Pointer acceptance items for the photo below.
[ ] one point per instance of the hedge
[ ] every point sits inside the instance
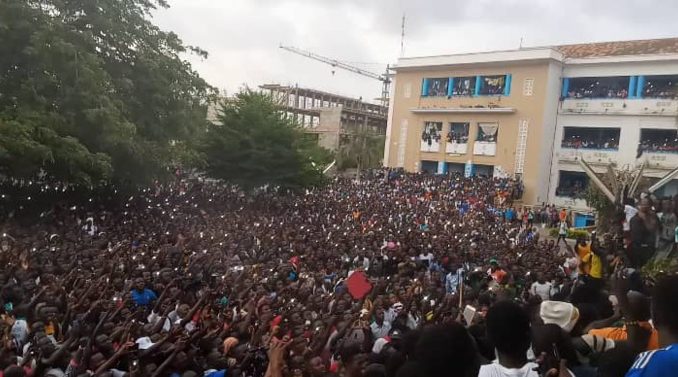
(571, 233)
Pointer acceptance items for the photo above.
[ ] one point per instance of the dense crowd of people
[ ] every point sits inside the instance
(659, 146)
(393, 275)
(578, 142)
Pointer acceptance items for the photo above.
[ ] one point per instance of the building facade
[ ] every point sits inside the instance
(330, 117)
(618, 105)
(486, 114)
(531, 113)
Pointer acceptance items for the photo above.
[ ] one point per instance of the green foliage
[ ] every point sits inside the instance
(91, 90)
(253, 144)
(361, 150)
(572, 233)
(655, 269)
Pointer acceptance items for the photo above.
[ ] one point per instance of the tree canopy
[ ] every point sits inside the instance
(253, 144)
(361, 149)
(92, 91)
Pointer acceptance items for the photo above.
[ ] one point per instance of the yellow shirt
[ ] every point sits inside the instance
(593, 264)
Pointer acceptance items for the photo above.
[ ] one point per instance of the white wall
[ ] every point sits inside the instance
(548, 126)
(668, 67)
(629, 137)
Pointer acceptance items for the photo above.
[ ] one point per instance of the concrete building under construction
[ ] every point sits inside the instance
(329, 116)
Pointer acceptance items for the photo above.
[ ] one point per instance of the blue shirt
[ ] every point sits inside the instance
(143, 298)
(657, 363)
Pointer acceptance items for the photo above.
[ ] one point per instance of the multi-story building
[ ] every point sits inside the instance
(487, 113)
(519, 113)
(329, 116)
(619, 104)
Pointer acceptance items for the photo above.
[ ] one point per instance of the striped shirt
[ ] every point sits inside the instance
(660, 362)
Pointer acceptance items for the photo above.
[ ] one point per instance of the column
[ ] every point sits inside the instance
(566, 87)
(442, 167)
(632, 87)
(640, 87)
(479, 83)
(450, 86)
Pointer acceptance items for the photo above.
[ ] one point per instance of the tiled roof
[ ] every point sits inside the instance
(640, 47)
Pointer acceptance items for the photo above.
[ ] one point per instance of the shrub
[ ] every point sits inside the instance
(571, 233)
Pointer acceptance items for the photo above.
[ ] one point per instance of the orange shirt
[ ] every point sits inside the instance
(619, 333)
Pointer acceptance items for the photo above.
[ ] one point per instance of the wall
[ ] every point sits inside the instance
(658, 164)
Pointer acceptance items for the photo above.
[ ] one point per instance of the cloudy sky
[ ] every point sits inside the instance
(242, 36)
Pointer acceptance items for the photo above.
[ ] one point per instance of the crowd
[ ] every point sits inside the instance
(579, 142)
(395, 275)
(659, 146)
(457, 137)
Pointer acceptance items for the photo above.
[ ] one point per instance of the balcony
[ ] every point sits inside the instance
(484, 148)
(456, 148)
(660, 160)
(602, 156)
(622, 106)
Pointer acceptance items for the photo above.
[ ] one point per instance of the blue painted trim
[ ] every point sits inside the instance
(424, 88)
(507, 85)
(450, 86)
(632, 87)
(441, 167)
(640, 86)
(479, 82)
(566, 87)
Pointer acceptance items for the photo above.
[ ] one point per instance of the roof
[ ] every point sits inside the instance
(637, 47)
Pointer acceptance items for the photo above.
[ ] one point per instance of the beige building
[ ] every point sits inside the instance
(329, 116)
(488, 113)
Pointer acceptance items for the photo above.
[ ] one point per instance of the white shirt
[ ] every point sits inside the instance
(496, 370)
(541, 290)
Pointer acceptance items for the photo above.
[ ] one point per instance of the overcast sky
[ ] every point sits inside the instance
(242, 36)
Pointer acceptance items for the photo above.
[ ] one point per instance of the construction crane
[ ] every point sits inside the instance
(385, 78)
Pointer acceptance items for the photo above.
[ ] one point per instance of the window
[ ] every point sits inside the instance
(590, 138)
(429, 166)
(458, 133)
(487, 132)
(437, 87)
(430, 136)
(528, 87)
(492, 85)
(464, 86)
(658, 141)
(598, 87)
(572, 184)
(661, 87)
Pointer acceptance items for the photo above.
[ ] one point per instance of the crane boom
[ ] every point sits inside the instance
(336, 63)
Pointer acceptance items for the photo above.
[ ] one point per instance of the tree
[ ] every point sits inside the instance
(362, 149)
(91, 90)
(253, 144)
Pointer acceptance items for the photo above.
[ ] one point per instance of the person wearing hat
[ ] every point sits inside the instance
(563, 314)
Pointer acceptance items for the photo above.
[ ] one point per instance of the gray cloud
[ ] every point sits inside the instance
(242, 36)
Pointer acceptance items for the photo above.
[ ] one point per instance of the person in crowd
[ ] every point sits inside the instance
(377, 277)
(663, 361)
(643, 226)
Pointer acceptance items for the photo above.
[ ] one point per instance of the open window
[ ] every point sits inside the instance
(590, 138)
(464, 86)
(457, 138)
(487, 132)
(658, 141)
(572, 184)
(430, 136)
(661, 87)
(599, 87)
(438, 87)
(486, 139)
(492, 85)
(458, 133)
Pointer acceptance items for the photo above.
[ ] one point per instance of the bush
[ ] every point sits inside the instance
(571, 233)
